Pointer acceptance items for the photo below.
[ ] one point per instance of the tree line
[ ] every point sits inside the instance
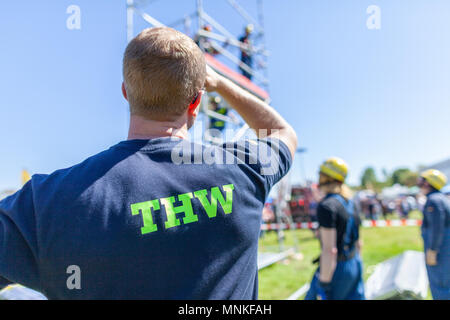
(402, 176)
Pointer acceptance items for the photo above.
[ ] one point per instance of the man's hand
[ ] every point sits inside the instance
(431, 257)
(212, 79)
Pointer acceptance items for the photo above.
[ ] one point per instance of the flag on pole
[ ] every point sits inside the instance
(25, 177)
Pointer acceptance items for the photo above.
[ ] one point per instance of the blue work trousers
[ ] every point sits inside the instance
(439, 275)
(347, 282)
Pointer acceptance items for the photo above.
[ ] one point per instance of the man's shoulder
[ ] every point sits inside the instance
(327, 207)
(436, 198)
(71, 177)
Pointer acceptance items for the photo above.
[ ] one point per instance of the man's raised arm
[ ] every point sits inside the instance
(260, 117)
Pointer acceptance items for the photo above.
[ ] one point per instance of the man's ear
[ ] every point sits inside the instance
(124, 91)
(194, 109)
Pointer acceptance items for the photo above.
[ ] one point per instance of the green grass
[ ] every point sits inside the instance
(280, 280)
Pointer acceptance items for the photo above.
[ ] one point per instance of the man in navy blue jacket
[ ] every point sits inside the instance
(155, 216)
(436, 233)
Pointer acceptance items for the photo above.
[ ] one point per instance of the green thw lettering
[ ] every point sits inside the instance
(216, 195)
(146, 209)
(186, 207)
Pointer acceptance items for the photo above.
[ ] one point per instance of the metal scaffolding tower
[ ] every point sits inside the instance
(221, 34)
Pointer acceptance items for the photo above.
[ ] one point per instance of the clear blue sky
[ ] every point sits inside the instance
(372, 97)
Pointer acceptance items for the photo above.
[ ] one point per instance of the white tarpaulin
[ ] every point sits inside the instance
(401, 277)
(18, 292)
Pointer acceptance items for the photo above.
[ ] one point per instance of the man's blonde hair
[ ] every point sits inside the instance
(163, 71)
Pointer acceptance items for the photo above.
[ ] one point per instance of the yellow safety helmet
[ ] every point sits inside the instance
(249, 28)
(335, 168)
(435, 178)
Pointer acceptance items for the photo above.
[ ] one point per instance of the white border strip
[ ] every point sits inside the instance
(300, 292)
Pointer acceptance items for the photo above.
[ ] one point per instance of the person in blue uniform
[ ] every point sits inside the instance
(217, 106)
(215, 133)
(246, 53)
(206, 44)
(436, 233)
(339, 275)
